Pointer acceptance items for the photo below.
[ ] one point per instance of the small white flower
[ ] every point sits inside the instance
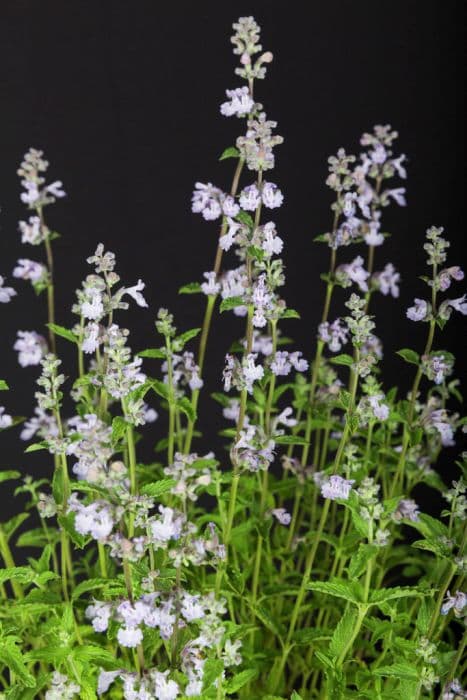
(129, 637)
(210, 287)
(398, 195)
(6, 293)
(272, 243)
(90, 338)
(29, 270)
(229, 206)
(5, 419)
(388, 281)
(271, 195)
(282, 516)
(336, 487)
(228, 239)
(240, 103)
(135, 293)
(418, 311)
(31, 231)
(380, 409)
(31, 348)
(250, 198)
(459, 304)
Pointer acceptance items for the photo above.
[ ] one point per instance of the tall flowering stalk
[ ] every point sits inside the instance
(286, 567)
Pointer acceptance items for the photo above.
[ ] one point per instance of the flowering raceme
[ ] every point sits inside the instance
(293, 561)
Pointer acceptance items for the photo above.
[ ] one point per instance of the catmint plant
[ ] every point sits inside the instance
(295, 560)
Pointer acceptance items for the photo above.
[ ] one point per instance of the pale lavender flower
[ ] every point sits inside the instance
(42, 423)
(94, 519)
(261, 343)
(166, 527)
(99, 613)
(254, 449)
(450, 273)
(251, 372)
(459, 304)
(229, 205)
(32, 231)
(5, 420)
(205, 201)
(6, 293)
(262, 301)
(456, 602)
(90, 341)
(280, 365)
(453, 691)
(407, 509)
(62, 688)
(335, 334)
(228, 239)
(129, 637)
(437, 367)
(388, 280)
(418, 311)
(240, 103)
(135, 293)
(272, 244)
(398, 195)
(439, 420)
(282, 516)
(234, 283)
(354, 272)
(379, 408)
(336, 487)
(284, 418)
(250, 198)
(271, 195)
(29, 270)
(210, 287)
(374, 237)
(31, 348)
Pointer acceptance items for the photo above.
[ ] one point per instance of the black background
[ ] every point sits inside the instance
(123, 97)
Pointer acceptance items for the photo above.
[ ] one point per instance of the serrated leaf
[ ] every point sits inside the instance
(62, 332)
(11, 656)
(119, 427)
(409, 356)
(399, 670)
(350, 591)
(343, 632)
(231, 303)
(212, 669)
(342, 359)
(385, 594)
(89, 585)
(158, 488)
(360, 559)
(230, 152)
(263, 614)
(185, 405)
(245, 218)
(191, 288)
(22, 574)
(154, 353)
(239, 680)
(97, 655)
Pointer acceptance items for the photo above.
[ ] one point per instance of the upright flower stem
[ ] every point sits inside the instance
(50, 280)
(210, 303)
(277, 672)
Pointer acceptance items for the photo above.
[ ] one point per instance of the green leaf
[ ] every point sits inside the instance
(409, 356)
(342, 359)
(385, 594)
(10, 527)
(400, 670)
(263, 614)
(22, 574)
(119, 427)
(211, 671)
(8, 475)
(245, 218)
(158, 488)
(160, 388)
(290, 440)
(11, 656)
(295, 696)
(359, 561)
(154, 353)
(183, 338)
(239, 680)
(185, 405)
(339, 588)
(3, 385)
(191, 288)
(343, 632)
(67, 523)
(290, 313)
(62, 332)
(37, 446)
(230, 152)
(89, 585)
(231, 303)
(97, 655)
